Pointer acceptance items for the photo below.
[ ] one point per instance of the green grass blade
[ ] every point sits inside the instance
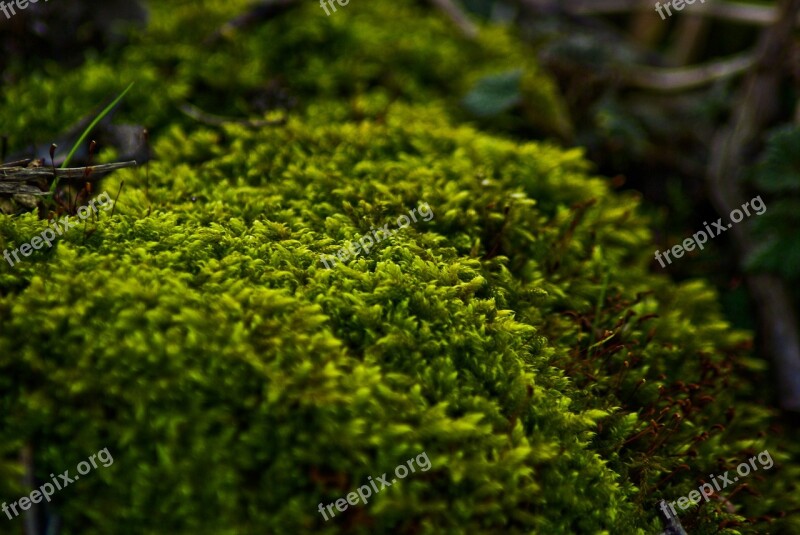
(93, 124)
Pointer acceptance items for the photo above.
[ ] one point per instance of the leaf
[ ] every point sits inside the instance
(494, 94)
(777, 255)
(780, 169)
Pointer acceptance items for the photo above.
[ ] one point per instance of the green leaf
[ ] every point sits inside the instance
(93, 124)
(494, 94)
(780, 169)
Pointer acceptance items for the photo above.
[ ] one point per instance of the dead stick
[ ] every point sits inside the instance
(24, 174)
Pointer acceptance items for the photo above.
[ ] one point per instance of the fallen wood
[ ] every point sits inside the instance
(86, 174)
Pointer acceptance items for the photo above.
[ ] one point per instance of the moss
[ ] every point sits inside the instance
(348, 65)
(239, 383)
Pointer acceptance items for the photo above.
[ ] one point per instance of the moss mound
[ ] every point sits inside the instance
(516, 337)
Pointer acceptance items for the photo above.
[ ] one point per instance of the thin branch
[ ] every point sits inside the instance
(683, 78)
(18, 163)
(15, 188)
(31, 521)
(720, 9)
(690, 32)
(25, 174)
(457, 15)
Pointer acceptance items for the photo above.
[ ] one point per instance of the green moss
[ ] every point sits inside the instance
(352, 64)
(238, 383)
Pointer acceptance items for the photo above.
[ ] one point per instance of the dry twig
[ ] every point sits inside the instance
(9, 174)
(719, 9)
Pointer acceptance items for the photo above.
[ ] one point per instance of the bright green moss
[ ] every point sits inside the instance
(238, 383)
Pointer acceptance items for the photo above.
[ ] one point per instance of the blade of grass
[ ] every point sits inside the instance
(89, 131)
(93, 124)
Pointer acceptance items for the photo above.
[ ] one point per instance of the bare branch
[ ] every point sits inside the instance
(15, 188)
(91, 173)
(680, 79)
(720, 9)
(457, 15)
